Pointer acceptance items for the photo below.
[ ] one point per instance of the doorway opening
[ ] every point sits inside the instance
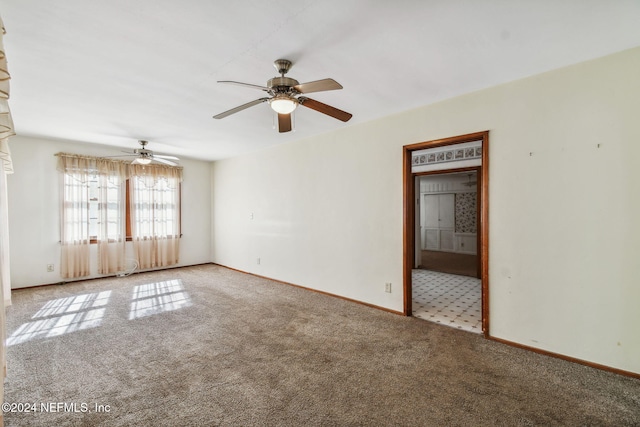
(446, 285)
(446, 231)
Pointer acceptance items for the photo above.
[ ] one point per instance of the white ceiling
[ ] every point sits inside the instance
(114, 71)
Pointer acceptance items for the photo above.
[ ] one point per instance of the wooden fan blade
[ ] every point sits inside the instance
(240, 108)
(325, 109)
(248, 85)
(318, 86)
(284, 123)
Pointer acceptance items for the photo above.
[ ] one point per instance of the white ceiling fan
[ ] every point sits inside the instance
(145, 156)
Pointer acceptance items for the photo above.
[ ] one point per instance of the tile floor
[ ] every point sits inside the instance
(447, 299)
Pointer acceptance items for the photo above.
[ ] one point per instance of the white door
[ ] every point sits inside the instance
(438, 221)
(447, 221)
(446, 213)
(430, 222)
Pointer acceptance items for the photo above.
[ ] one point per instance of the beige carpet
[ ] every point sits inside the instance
(207, 346)
(449, 262)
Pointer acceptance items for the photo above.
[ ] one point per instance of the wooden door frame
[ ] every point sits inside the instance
(409, 210)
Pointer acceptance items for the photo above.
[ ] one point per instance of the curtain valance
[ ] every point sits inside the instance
(150, 174)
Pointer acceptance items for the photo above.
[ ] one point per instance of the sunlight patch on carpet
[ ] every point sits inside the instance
(158, 297)
(63, 316)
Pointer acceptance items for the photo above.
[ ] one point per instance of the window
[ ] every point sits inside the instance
(76, 208)
(154, 209)
(104, 198)
(157, 207)
(107, 202)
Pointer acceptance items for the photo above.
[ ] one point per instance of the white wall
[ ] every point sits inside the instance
(34, 220)
(564, 212)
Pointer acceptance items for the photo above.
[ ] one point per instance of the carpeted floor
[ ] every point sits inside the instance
(208, 346)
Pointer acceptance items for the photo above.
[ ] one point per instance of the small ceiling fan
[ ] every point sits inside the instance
(144, 156)
(470, 183)
(284, 96)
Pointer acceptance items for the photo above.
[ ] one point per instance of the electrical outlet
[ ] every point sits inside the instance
(49, 268)
(251, 215)
(387, 287)
(258, 261)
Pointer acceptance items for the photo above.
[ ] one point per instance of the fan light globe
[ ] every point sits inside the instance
(283, 105)
(142, 160)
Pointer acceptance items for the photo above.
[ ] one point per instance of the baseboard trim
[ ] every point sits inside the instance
(567, 358)
(500, 340)
(106, 276)
(388, 310)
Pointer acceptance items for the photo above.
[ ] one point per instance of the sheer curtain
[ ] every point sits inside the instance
(155, 214)
(6, 166)
(111, 232)
(74, 215)
(5, 276)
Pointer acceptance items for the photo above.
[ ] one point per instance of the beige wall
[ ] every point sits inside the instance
(34, 220)
(564, 207)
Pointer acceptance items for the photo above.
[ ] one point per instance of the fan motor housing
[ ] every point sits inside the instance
(281, 83)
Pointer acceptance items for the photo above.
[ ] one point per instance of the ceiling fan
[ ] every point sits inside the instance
(469, 183)
(144, 156)
(284, 96)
